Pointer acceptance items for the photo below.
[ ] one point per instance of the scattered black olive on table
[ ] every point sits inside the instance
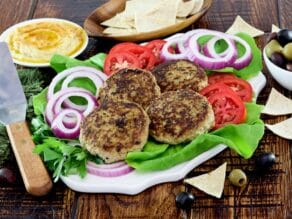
(264, 162)
(7, 176)
(184, 200)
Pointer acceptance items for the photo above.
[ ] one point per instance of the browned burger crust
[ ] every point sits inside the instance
(134, 85)
(179, 116)
(114, 129)
(180, 74)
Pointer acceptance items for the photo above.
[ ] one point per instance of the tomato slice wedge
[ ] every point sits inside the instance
(146, 57)
(217, 77)
(241, 87)
(117, 61)
(228, 109)
(121, 47)
(156, 46)
(215, 88)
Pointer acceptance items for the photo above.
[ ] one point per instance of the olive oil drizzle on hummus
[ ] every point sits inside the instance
(37, 42)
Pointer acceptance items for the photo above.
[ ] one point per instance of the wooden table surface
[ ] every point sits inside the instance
(269, 196)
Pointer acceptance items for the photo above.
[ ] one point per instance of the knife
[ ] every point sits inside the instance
(13, 106)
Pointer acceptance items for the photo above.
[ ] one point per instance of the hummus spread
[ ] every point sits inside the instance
(37, 42)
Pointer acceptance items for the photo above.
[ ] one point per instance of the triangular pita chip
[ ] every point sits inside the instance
(211, 183)
(138, 6)
(239, 25)
(277, 104)
(197, 6)
(185, 8)
(275, 28)
(119, 31)
(282, 129)
(118, 21)
(162, 15)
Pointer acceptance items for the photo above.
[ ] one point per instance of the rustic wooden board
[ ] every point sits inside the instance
(268, 196)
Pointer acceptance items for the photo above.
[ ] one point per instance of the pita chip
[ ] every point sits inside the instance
(240, 25)
(282, 129)
(163, 14)
(118, 21)
(185, 8)
(197, 6)
(138, 6)
(119, 31)
(275, 28)
(211, 183)
(277, 104)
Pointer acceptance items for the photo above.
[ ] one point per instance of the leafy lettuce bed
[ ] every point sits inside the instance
(63, 159)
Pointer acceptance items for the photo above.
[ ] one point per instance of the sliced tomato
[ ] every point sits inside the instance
(117, 61)
(228, 109)
(121, 47)
(215, 88)
(241, 87)
(217, 77)
(156, 46)
(146, 57)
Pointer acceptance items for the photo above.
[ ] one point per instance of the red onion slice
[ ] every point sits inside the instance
(109, 172)
(107, 166)
(91, 101)
(98, 83)
(244, 60)
(50, 111)
(196, 56)
(166, 55)
(183, 45)
(209, 48)
(239, 63)
(77, 70)
(60, 130)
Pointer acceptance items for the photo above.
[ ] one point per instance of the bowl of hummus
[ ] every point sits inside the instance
(32, 43)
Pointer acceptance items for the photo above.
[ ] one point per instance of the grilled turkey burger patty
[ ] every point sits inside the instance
(179, 116)
(114, 129)
(180, 74)
(134, 85)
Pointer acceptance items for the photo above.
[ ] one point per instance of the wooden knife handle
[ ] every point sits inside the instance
(34, 174)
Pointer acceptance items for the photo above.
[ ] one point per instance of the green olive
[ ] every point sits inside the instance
(273, 46)
(287, 51)
(237, 177)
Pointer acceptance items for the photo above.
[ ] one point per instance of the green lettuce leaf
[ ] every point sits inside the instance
(60, 63)
(39, 102)
(243, 138)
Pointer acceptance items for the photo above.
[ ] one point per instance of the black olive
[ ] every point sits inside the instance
(278, 59)
(264, 161)
(284, 36)
(184, 200)
(7, 176)
(272, 36)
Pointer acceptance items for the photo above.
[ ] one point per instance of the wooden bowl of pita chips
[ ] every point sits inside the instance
(142, 20)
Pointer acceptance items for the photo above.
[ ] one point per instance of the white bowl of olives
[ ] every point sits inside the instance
(278, 57)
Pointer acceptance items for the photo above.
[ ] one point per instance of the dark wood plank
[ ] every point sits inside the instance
(9, 16)
(222, 14)
(285, 13)
(158, 202)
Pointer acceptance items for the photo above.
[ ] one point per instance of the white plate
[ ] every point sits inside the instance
(5, 34)
(136, 182)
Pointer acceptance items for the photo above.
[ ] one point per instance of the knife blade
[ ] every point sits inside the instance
(13, 107)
